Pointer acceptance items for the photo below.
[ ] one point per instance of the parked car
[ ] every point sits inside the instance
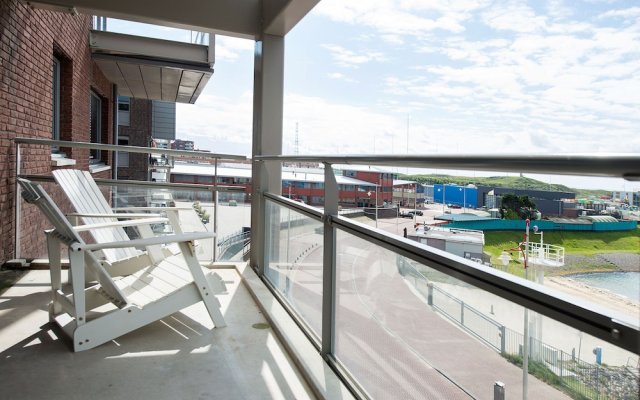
(404, 214)
(416, 212)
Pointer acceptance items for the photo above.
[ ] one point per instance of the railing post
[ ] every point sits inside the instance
(462, 313)
(268, 95)
(561, 364)
(17, 208)
(503, 339)
(430, 294)
(215, 211)
(498, 391)
(329, 262)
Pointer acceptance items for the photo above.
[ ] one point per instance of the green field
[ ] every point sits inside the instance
(515, 182)
(575, 243)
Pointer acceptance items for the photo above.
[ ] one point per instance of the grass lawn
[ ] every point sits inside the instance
(574, 242)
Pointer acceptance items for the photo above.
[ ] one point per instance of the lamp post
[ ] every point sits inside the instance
(376, 206)
(415, 203)
(369, 194)
(525, 347)
(444, 195)
(288, 240)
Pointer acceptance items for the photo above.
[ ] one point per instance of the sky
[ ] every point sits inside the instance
(438, 77)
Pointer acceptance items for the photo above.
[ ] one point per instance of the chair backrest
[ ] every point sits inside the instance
(36, 195)
(86, 197)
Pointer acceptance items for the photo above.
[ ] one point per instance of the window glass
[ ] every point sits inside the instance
(124, 105)
(55, 71)
(123, 156)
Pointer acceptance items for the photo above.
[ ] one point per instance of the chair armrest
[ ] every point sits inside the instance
(114, 215)
(121, 224)
(183, 237)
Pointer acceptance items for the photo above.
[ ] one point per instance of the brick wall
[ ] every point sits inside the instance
(139, 132)
(28, 41)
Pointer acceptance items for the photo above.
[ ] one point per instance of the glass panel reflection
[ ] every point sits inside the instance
(295, 254)
(406, 331)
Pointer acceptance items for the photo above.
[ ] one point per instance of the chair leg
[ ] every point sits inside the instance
(200, 280)
(55, 270)
(76, 267)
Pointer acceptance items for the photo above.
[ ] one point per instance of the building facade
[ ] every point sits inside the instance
(630, 198)
(180, 144)
(50, 88)
(303, 184)
(144, 123)
(549, 203)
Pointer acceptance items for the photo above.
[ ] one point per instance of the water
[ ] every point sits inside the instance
(623, 283)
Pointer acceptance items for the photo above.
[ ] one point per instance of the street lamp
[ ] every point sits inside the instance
(415, 203)
(369, 194)
(504, 260)
(525, 346)
(444, 197)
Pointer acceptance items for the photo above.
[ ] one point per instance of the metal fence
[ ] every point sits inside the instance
(580, 379)
(234, 247)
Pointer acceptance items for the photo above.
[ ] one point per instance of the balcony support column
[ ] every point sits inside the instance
(268, 98)
(329, 263)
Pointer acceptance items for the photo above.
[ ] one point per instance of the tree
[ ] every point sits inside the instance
(517, 207)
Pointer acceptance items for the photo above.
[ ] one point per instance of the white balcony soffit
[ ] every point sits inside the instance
(154, 69)
(239, 18)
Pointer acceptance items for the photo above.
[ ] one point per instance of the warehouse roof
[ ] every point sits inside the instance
(244, 172)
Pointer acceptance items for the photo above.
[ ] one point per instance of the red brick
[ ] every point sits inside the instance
(28, 40)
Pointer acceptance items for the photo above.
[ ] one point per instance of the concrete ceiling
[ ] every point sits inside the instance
(152, 69)
(239, 18)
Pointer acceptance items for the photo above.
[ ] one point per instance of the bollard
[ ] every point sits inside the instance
(498, 391)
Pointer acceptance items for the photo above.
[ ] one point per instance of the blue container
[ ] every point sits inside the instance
(456, 195)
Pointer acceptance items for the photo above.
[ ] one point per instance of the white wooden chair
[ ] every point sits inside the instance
(93, 209)
(152, 293)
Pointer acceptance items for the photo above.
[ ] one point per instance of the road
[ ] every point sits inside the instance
(387, 336)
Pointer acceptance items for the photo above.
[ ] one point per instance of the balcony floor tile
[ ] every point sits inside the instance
(179, 357)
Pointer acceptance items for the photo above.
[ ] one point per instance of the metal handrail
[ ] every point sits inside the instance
(129, 149)
(214, 189)
(604, 165)
(159, 185)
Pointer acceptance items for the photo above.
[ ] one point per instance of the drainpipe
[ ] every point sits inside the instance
(114, 154)
(115, 131)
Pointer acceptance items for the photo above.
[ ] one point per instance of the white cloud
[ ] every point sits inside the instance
(341, 76)
(348, 58)
(218, 123)
(392, 39)
(230, 48)
(627, 13)
(401, 17)
(514, 16)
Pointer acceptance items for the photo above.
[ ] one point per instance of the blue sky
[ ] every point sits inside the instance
(466, 76)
